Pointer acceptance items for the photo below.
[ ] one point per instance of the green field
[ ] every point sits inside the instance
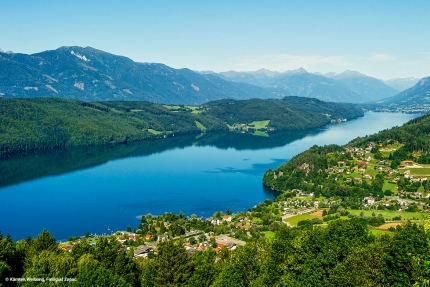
(200, 126)
(389, 214)
(154, 132)
(260, 134)
(295, 219)
(195, 110)
(260, 124)
(420, 171)
(389, 186)
(386, 154)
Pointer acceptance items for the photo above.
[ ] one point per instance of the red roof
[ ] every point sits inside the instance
(226, 216)
(148, 236)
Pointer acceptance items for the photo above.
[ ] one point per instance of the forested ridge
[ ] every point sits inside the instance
(289, 113)
(46, 123)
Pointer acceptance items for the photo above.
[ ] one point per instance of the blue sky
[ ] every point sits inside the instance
(384, 39)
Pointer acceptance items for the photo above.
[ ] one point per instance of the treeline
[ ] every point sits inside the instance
(344, 253)
(48, 123)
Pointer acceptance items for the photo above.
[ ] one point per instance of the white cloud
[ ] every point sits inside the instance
(283, 62)
(383, 57)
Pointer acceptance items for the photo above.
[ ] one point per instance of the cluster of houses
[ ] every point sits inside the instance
(222, 241)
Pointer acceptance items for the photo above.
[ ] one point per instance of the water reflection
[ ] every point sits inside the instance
(39, 164)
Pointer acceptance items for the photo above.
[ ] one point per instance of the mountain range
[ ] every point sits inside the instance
(348, 86)
(93, 75)
(402, 84)
(416, 97)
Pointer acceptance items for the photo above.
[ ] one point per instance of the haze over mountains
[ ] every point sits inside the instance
(93, 75)
(348, 86)
(418, 96)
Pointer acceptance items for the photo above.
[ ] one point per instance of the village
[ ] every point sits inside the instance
(229, 230)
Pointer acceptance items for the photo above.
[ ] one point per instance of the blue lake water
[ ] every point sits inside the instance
(77, 190)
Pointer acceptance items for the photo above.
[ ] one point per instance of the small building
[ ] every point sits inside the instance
(67, 247)
(227, 218)
(367, 176)
(142, 251)
(369, 200)
(241, 226)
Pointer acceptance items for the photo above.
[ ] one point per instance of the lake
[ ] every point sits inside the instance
(92, 189)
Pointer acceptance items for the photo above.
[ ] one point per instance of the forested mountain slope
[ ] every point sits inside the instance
(44, 123)
(418, 96)
(93, 75)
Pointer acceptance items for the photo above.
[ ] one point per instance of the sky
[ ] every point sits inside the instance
(383, 39)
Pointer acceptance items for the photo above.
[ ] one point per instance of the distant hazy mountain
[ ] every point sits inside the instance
(261, 78)
(309, 85)
(402, 84)
(417, 96)
(368, 88)
(90, 74)
(348, 86)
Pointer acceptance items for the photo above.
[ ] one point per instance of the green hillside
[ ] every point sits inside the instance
(393, 161)
(46, 123)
